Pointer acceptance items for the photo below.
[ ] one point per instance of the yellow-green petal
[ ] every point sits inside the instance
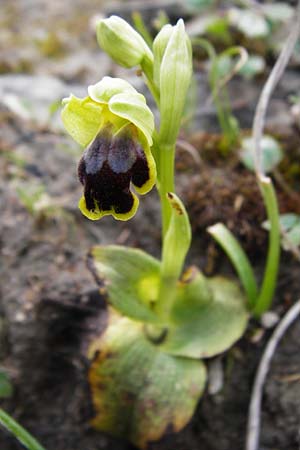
(81, 118)
(108, 87)
(133, 107)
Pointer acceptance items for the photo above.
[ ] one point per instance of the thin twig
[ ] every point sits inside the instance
(253, 428)
(274, 77)
(189, 148)
(243, 58)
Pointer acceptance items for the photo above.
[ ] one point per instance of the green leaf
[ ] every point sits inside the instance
(6, 388)
(278, 12)
(238, 258)
(250, 23)
(290, 226)
(271, 153)
(200, 5)
(293, 236)
(177, 240)
(140, 393)
(287, 221)
(19, 432)
(208, 317)
(223, 66)
(176, 244)
(254, 65)
(130, 277)
(220, 29)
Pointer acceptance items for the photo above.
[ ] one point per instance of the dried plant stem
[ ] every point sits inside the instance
(277, 71)
(253, 427)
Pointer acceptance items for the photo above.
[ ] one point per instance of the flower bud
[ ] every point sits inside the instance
(124, 45)
(159, 46)
(175, 71)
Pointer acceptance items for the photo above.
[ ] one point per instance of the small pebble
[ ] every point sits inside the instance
(269, 319)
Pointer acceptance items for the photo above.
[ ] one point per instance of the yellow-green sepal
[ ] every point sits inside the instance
(81, 118)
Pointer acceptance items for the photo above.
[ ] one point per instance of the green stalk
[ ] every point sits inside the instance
(166, 183)
(21, 434)
(164, 156)
(266, 293)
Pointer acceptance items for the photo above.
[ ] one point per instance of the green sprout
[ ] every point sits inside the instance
(17, 430)
(221, 71)
(147, 371)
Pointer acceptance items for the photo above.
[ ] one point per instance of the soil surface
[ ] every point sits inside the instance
(49, 301)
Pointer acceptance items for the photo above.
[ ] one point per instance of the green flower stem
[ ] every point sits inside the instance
(21, 434)
(265, 296)
(167, 295)
(166, 183)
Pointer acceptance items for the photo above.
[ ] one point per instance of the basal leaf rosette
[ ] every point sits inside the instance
(115, 126)
(143, 383)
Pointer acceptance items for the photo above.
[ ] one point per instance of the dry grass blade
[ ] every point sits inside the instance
(253, 428)
(276, 73)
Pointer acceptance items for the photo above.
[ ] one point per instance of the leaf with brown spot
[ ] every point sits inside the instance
(140, 392)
